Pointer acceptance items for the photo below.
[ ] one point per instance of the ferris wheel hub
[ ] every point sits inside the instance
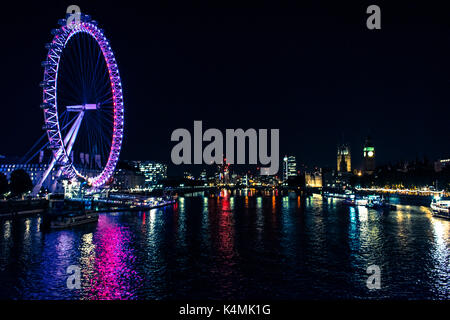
(83, 107)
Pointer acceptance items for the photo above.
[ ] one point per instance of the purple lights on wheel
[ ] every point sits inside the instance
(50, 102)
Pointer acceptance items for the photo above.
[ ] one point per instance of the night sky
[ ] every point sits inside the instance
(314, 71)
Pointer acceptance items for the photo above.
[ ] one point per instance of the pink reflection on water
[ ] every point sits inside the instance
(226, 234)
(112, 277)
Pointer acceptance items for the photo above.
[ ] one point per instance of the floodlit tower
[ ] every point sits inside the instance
(369, 156)
(344, 162)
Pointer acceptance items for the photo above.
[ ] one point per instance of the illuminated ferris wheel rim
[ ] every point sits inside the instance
(50, 107)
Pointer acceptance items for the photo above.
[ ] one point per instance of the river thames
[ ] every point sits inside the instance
(232, 246)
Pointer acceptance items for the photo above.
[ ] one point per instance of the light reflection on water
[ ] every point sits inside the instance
(232, 246)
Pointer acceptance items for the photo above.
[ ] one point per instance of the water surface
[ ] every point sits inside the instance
(232, 246)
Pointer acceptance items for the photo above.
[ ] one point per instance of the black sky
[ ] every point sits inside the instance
(312, 70)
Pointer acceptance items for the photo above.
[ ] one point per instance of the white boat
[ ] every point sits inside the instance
(441, 208)
(377, 202)
(354, 200)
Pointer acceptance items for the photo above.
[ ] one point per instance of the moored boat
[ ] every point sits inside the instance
(440, 208)
(73, 219)
(378, 202)
(354, 200)
(337, 195)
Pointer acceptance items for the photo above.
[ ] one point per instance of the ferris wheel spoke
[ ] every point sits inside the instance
(97, 72)
(94, 70)
(94, 77)
(98, 133)
(69, 85)
(81, 64)
(104, 130)
(106, 100)
(91, 67)
(69, 66)
(70, 99)
(104, 87)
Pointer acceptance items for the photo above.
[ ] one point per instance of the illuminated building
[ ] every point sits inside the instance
(187, 175)
(224, 171)
(313, 179)
(34, 170)
(289, 167)
(152, 170)
(344, 160)
(369, 156)
(245, 180)
(441, 164)
(128, 179)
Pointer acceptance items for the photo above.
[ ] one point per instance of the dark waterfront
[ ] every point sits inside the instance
(232, 247)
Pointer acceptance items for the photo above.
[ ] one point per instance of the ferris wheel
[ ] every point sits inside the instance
(82, 104)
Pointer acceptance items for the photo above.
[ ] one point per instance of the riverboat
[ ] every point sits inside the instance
(73, 219)
(379, 203)
(441, 208)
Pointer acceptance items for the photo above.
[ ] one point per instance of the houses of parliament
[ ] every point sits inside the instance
(344, 158)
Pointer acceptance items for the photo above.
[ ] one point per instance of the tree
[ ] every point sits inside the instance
(20, 182)
(3, 184)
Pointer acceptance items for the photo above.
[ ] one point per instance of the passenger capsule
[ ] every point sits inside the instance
(86, 17)
(50, 46)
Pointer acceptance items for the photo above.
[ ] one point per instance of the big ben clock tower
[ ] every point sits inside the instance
(369, 156)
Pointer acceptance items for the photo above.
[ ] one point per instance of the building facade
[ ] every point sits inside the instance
(34, 170)
(126, 180)
(153, 171)
(439, 165)
(289, 167)
(313, 179)
(344, 159)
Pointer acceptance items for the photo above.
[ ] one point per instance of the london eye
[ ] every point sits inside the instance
(82, 104)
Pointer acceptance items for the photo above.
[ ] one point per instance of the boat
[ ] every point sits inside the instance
(327, 194)
(440, 208)
(354, 200)
(56, 204)
(348, 197)
(73, 219)
(378, 202)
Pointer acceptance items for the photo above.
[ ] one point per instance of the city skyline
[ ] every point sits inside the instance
(216, 159)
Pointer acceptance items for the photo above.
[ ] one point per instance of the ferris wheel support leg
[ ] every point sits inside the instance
(69, 140)
(71, 135)
(38, 186)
